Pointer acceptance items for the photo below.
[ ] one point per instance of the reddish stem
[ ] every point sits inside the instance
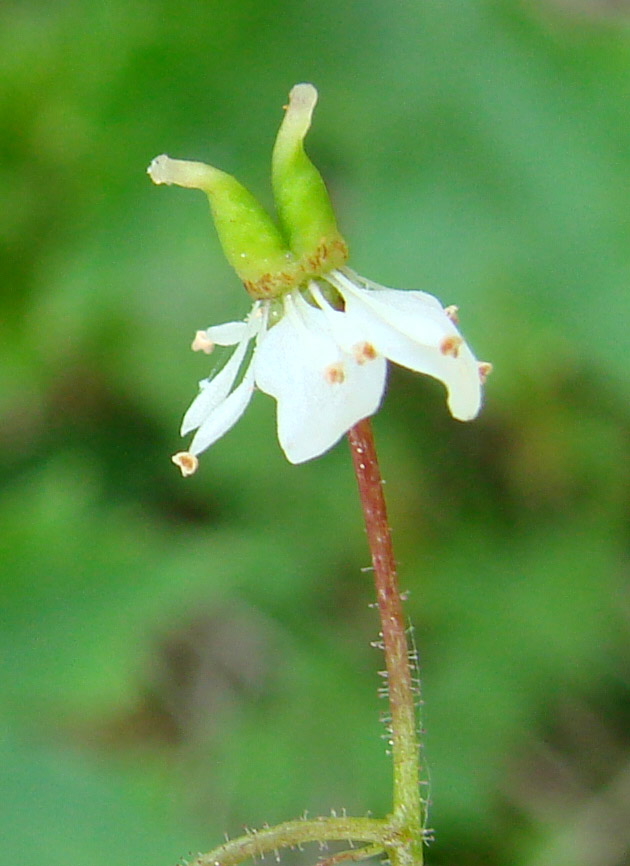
(401, 696)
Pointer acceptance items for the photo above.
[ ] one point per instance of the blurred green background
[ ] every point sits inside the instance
(180, 658)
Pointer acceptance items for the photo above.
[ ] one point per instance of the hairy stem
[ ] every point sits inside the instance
(407, 810)
(400, 834)
(352, 856)
(257, 843)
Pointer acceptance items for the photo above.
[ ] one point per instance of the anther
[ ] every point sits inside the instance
(186, 461)
(450, 345)
(452, 312)
(202, 343)
(334, 374)
(485, 368)
(363, 352)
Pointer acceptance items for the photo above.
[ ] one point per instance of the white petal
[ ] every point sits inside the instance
(416, 314)
(225, 416)
(291, 364)
(228, 334)
(214, 391)
(341, 327)
(357, 280)
(410, 332)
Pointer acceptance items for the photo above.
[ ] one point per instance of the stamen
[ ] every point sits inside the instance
(202, 343)
(451, 312)
(485, 368)
(292, 314)
(186, 461)
(363, 352)
(334, 374)
(317, 296)
(450, 345)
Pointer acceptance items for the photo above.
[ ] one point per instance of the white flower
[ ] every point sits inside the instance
(321, 352)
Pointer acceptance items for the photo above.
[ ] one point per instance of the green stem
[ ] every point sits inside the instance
(291, 833)
(352, 856)
(407, 807)
(400, 835)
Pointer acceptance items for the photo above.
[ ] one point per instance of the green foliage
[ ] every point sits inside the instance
(182, 658)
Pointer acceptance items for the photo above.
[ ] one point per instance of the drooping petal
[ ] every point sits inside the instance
(416, 314)
(214, 391)
(358, 280)
(321, 390)
(415, 334)
(224, 416)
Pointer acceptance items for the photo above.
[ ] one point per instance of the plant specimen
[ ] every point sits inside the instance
(317, 339)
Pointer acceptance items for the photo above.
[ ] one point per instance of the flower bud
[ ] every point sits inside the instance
(302, 202)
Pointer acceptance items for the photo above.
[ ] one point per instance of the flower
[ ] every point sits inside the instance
(321, 353)
(318, 336)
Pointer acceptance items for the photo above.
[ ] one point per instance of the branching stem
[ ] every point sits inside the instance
(400, 834)
(352, 856)
(257, 843)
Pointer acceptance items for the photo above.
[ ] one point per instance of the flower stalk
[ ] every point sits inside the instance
(407, 805)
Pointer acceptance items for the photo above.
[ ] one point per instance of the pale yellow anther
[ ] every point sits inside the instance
(186, 461)
(363, 352)
(202, 343)
(334, 374)
(452, 312)
(450, 345)
(485, 368)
